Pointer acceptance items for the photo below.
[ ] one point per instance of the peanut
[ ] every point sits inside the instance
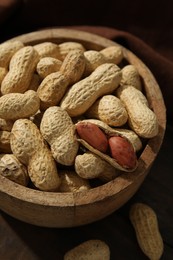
(113, 54)
(21, 69)
(141, 118)
(128, 149)
(145, 223)
(7, 50)
(93, 60)
(52, 89)
(47, 49)
(48, 65)
(17, 105)
(11, 168)
(71, 182)
(58, 130)
(92, 135)
(83, 94)
(122, 151)
(89, 250)
(127, 133)
(5, 146)
(130, 76)
(90, 165)
(29, 147)
(73, 66)
(110, 110)
(65, 47)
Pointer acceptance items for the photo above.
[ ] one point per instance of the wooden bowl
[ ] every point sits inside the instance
(50, 209)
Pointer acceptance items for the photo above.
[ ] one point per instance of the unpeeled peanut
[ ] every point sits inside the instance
(109, 109)
(48, 65)
(90, 166)
(130, 76)
(17, 105)
(11, 168)
(141, 118)
(52, 89)
(65, 47)
(73, 66)
(89, 250)
(145, 223)
(113, 54)
(104, 80)
(21, 69)
(7, 50)
(71, 182)
(58, 130)
(47, 49)
(93, 60)
(29, 147)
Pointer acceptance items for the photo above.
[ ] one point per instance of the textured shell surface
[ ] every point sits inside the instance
(141, 118)
(83, 94)
(89, 250)
(42, 170)
(65, 147)
(52, 89)
(21, 69)
(25, 139)
(55, 122)
(110, 110)
(11, 168)
(7, 50)
(71, 182)
(18, 105)
(47, 49)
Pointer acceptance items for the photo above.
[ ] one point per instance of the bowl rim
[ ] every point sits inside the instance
(121, 183)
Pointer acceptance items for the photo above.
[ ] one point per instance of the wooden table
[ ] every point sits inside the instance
(19, 240)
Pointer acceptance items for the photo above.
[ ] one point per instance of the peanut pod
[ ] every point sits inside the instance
(145, 223)
(90, 166)
(109, 109)
(104, 80)
(13, 169)
(17, 105)
(89, 250)
(142, 119)
(7, 50)
(29, 147)
(127, 151)
(21, 69)
(58, 130)
(71, 182)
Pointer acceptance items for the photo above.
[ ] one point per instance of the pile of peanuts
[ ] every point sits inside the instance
(69, 115)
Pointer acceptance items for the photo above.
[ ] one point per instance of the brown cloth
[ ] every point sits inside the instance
(145, 28)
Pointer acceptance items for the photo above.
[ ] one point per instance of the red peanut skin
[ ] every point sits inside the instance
(122, 151)
(93, 136)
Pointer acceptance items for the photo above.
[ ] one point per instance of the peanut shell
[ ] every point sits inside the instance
(104, 80)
